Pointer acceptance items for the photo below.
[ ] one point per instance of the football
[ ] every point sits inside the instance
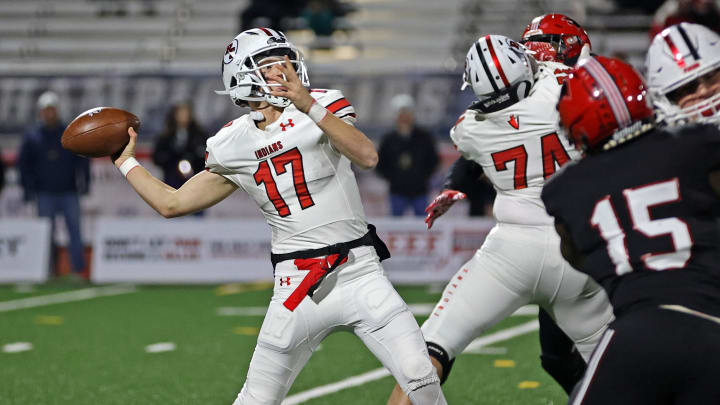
(101, 131)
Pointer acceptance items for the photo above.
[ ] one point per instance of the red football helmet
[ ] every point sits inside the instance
(565, 35)
(604, 103)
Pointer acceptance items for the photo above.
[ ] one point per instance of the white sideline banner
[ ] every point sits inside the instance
(181, 250)
(422, 256)
(24, 250)
(202, 250)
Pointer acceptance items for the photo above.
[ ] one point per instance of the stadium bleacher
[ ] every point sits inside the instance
(70, 36)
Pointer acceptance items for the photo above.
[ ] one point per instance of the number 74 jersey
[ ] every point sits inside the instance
(302, 185)
(519, 148)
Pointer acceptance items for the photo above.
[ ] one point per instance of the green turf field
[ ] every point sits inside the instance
(93, 351)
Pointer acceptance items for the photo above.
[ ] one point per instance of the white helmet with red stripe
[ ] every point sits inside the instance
(500, 72)
(241, 71)
(677, 57)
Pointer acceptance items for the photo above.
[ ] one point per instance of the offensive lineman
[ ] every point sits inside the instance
(511, 133)
(292, 155)
(557, 40)
(638, 214)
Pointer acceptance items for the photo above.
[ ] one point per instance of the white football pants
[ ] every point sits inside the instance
(518, 265)
(356, 297)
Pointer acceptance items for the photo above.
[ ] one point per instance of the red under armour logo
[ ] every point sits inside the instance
(514, 122)
(286, 281)
(289, 124)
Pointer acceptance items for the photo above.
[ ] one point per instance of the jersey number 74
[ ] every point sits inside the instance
(552, 152)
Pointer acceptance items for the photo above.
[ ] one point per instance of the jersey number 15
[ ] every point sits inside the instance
(639, 201)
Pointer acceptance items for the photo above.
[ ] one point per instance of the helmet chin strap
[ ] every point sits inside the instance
(277, 101)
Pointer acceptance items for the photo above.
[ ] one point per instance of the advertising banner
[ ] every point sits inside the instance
(184, 250)
(24, 250)
(214, 251)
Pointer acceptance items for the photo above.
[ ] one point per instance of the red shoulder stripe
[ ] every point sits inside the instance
(228, 124)
(462, 117)
(318, 91)
(337, 105)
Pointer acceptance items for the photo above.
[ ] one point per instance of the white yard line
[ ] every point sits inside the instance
(70, 296)
(379, 373)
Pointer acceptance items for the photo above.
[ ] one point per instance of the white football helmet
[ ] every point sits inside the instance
(677, 56)
(500, 72)
(241, 71)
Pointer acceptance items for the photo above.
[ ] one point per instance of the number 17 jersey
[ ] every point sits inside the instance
(303, 186)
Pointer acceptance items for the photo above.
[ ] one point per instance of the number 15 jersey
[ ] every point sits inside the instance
(643, 216)
(304, 187)
(518, 148)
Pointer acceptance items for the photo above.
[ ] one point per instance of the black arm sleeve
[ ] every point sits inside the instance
(463, 176)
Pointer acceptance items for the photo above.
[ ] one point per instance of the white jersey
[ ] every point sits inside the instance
(303, 186)
(519, 148)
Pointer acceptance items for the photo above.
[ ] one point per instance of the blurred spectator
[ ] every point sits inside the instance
(320, 17)
(703, 12)
(54, 177)
(645, 6)
(276, 13)
(119, 8)
(112, 7)
(407, 159)
(180, 147)
(2, 172)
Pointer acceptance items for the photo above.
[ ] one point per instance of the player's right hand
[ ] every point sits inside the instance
(441, 204)
(128, 151)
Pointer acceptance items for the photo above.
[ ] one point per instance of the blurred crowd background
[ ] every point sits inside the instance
(398, 61)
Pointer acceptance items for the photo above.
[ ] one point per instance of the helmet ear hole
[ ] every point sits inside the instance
(233, 81)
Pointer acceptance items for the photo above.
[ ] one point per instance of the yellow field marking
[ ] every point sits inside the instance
(525, 385)
(237, 288)
(49, 320)
(504, 363)
(246, 330)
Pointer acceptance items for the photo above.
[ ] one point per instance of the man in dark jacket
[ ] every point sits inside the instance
(2, 172)
(407, 159)
(53, 176)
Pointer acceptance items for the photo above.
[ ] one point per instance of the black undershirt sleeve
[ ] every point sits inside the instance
(463, 175)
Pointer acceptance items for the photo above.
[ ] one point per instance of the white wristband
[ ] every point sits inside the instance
(127, 165)
(317, 112)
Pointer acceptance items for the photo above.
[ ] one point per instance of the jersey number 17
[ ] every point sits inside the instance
(263, 175)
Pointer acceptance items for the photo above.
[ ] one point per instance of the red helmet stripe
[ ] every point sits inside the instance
(496, 61)
(265, 30)
(677, 55)
(611, 91)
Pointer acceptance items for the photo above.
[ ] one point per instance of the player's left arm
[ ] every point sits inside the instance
(347, 139)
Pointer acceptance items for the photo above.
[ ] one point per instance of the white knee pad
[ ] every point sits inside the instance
(428, 394)
(419, 372)
(423, 384)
